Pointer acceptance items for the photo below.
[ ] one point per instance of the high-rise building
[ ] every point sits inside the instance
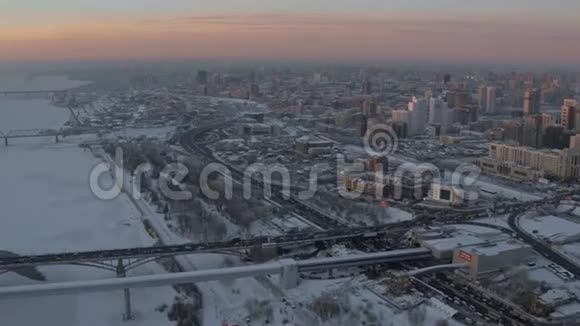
(428, 95)
(473, 112)
(450, 99)
(417, 116)
(554, 137)
(366, 87)
(436, 110)
(400, 116)
(533, 131)
(532, 101)
(575, 142)
(369, 108)
(487, 99)
(568, 115)
(547, 121)
(490, 100)
(202, 77)
(447, 78)
(461, 98)
(513, 132)
(361, 123)
(483, 98)
(254, 91)
(400, 129)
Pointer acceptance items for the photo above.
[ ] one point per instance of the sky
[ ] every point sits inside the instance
(490, 31)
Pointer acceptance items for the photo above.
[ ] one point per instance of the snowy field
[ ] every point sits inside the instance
(48, 207)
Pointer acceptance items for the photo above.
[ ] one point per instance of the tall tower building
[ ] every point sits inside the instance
(417, 116)
(461, 98)
(482, 98)
(547, 121)
(436, 110)
(369, 108)
(533, 131)
(568, 115)
(366, 87)
(532, 101)
(202, 77)
(490, 100)
(450, 99)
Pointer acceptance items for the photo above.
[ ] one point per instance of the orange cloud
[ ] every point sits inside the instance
(337, 36)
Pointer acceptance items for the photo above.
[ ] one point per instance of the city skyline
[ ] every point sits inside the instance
(348, 31)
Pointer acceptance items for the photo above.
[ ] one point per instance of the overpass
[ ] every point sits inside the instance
(289, 270)
(314, 265)
(437, 268)
(152, 253)
(33, 133)
(29, 133)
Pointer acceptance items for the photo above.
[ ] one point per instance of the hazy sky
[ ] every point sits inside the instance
(490, 31)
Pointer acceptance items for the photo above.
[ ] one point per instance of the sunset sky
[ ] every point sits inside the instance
(491, 31)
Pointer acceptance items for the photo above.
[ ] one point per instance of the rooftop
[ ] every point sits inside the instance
(497, 247)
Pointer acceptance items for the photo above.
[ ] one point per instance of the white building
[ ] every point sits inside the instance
(454, 195)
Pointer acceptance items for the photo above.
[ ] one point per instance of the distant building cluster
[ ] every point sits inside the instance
(529, 164)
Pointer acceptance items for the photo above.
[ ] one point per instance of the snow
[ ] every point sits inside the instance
(498, 220)
(476, 229)
(48, 207)
(363, 301)
(398, 215)
(552, 227)
(21, 111)
(495, 186)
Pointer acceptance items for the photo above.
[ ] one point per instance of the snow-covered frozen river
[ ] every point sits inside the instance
(46, 206)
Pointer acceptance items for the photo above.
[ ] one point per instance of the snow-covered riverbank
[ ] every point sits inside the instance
(47, 206)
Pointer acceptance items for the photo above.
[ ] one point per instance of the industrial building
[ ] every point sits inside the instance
(492, 257)
(483, 251)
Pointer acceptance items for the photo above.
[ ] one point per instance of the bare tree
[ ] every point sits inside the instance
(259, 309)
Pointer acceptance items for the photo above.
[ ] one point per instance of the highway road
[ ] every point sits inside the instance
(543, 248)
